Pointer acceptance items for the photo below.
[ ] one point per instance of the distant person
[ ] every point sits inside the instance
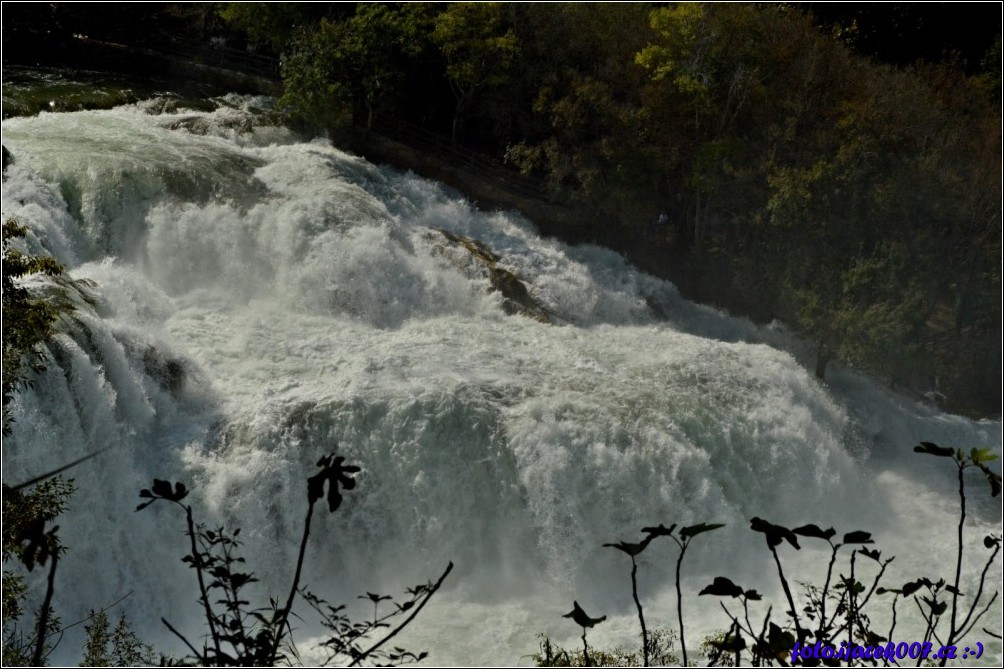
(663, 219)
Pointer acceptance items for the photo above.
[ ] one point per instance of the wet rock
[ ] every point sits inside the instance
(168, 372)
(516, 298)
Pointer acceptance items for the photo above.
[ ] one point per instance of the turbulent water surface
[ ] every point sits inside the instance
(263, 300)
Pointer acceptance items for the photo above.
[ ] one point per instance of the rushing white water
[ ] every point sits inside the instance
(264, 300)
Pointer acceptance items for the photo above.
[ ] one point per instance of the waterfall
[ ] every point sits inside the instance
(264, 300)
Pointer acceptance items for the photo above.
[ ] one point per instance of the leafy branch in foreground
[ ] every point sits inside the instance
(977, 458)
(28, 538)
(28, 320)
(241, 636)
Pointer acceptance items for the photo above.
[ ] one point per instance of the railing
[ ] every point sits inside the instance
(477, 163)
(215, 55)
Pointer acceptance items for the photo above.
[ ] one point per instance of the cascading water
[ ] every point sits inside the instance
(262, 299)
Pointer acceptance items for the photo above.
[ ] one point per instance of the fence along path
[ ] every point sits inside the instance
(479, 164)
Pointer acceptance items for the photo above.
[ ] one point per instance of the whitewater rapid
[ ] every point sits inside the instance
(263, 300)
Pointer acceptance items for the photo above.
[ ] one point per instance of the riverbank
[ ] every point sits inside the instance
(699, 273)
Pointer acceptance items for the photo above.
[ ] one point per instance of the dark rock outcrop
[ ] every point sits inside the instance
(516, 299)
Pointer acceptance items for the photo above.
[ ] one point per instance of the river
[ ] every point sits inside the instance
(264, 299)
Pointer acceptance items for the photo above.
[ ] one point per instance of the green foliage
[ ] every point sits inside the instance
(28, 540)
(479, 49)
(28, 321)
(267, 23)
(119, 647)
(854, 201)
(352, 69)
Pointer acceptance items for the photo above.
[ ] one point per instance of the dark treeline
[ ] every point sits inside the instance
(834, 166)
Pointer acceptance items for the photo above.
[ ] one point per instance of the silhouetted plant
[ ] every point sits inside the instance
(349, 638)
(28, 538)
(119, 647)
(242, 636)
(733, 641)
(632, 551)
(959, 629)
(582, 619)
(660, 653)
(682, 540)
(837, 613)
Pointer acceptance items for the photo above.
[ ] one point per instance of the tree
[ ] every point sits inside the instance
(479, 49)
(29, 321)
(273, 24)
(584, 132)
(355, 67)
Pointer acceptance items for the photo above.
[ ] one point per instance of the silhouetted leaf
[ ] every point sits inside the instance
(730, 643)
(660, 531)
(145, 493)
(629, 548)
(753, 595)
(875, 555)
(238, 580)
(990, 541)
(144, 505)
(873, 639)
(373, 597)
(722, 587)
(815, 531)
(780, 642)
(161, 488)
(858, 537)
(774, 533)
(694, 530)
(955, 591)
(581, 618)
(993, 478)
(933, 449)
(336, 475)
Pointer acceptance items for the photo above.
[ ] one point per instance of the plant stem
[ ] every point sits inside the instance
(679, 601)
(787, 594)
(826, 588)
(953, 630)
(963, 631)
(284, 616)
(197, 557)
(851, 604)
(43, 621)
(641, 616)
(585, 648)
(736, 632)
(428, 596)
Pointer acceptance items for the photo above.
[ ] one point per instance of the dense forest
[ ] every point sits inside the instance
(835, 167)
